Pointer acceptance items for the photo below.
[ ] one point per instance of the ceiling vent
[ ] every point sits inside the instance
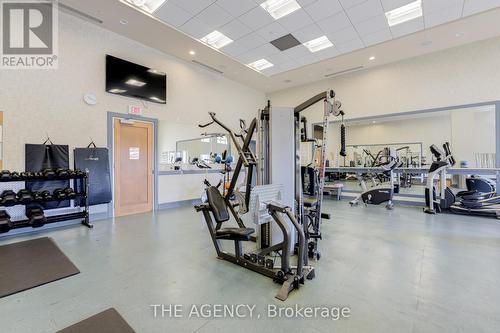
(345, 71)
(286, 42)
(210, 68)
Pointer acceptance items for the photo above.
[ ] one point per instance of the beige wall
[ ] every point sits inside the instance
(36, 102)
(462, 75)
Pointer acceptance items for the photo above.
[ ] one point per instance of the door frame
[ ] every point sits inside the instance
(116, 115)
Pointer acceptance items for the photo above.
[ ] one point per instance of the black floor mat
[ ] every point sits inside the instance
(108, 321)
(32, 263)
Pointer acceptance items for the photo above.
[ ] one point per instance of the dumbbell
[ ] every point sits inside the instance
(15, 175)
(70, 193)
(59, 194)
(62, 173)
(8, 198)
(79, 173)
(27, 175)
(5, 222)
(42, 196)
(48, 173)
(5, 175)
(71, 173)
(36, 217)
(24, 196)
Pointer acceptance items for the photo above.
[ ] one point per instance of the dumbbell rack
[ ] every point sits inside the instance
(84, 214)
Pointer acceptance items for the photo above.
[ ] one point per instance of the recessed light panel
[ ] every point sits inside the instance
(260, 64)
(405, 13)
(318, 44)
(280, 8)
(149, 6)
(216, 39)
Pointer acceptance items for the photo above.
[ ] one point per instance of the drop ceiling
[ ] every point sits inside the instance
(358, 30)
(349, 24)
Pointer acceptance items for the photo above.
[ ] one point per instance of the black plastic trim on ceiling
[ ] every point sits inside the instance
(286, 42)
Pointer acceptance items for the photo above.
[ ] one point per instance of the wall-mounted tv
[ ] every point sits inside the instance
(128, 79)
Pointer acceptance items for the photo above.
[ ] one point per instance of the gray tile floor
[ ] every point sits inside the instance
(399, 271)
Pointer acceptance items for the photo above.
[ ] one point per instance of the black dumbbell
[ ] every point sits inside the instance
(8, 198)
(80, 173)
(62, 173)
(5, 222)
(70, 193)
(5, 175)
(27, 175)
(43, 196)
(71, 173)
(48, 173)
(15, 175)
(36, 217)
(24, 196)
(59, 194)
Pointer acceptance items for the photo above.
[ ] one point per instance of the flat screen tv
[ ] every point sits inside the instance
(128, 79)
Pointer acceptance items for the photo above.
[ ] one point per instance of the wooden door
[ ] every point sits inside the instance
(133, 162)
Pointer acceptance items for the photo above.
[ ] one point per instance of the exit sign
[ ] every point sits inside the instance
(135, 110)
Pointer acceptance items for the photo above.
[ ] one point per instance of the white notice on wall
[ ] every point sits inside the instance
(134, 153)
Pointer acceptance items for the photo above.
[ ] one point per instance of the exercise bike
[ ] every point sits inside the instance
(384, 192)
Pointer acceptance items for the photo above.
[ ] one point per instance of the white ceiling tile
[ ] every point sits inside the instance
(372, 25)
(246, 58)
(234, 49)
(195, 28)
(214, 16)
(235, 30)
(442, 16)
(272, 31)
(365, 10)
(377, 37)
(308, 33)
(256, 18)
(350, 3)
(393, 4)
(343, 36)
(304, 3)
(172, 14)
(264, 51)
(311, 58)
(407, 27)
(323, 8)
(252, 40)
(272, 70)
(279, 58)
(297, 52)
(335, 23)
(350, 46)
(193, 6)
(237, 8)
(328, 53)
(437, 5)
(477, 6)
(295, 20)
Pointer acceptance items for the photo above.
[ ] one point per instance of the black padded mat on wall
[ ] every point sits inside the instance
(39, 157)
(96, 161)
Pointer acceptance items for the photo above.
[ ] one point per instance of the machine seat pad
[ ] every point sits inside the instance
(310, 201)
(217, 205)
(235, 233)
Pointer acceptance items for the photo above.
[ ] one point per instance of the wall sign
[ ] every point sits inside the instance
(134, 153)
(135, 110)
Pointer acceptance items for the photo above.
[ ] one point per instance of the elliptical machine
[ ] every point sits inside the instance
(442, 160)
(480, 198)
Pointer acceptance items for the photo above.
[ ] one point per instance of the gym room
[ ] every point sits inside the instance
(249, 166)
